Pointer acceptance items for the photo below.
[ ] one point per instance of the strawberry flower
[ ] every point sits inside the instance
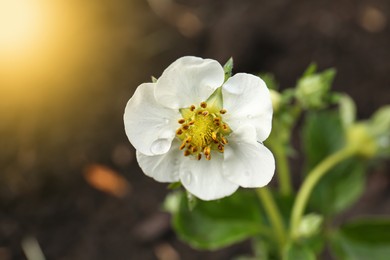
(190, 126)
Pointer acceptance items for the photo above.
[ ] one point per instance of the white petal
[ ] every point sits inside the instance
(204, 178)
(247, 100)
(188, 81)
(149, 126)
(247, 162)
(164, 167)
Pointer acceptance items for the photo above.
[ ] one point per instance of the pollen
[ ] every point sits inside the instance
(202, 131)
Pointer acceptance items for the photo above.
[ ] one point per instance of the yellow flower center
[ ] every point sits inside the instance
(202, 130)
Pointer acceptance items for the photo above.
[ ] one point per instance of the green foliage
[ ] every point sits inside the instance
(310, 225)
(269, 80)
(347, 110)
(216, 224)
(174, 185)
(333, 144)
(228, 68)
(323, 134)
(379, 126)
(312, 90)
(295, 251)
(363, 239)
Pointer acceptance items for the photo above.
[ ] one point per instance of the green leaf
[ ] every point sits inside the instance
(323, 134)
(362, 239)
(296, 251)
(228, 67)
(216, 224)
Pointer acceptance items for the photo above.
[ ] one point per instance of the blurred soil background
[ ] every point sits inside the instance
(70, 186)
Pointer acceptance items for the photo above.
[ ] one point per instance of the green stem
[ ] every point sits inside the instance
(282, 167)
(273, 214)
(312, 179)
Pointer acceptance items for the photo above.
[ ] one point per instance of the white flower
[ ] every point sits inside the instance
(192, 127)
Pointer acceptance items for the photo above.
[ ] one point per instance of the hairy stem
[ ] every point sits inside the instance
(273, 214)
(312, 179)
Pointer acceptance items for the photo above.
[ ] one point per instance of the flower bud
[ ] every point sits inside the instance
(359, 137)
(310, 225)
(312, 90)
(379, 126)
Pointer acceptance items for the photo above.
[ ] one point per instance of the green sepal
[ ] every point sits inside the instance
(228, 68)
(310, 70)
(215, 101)
(174, 185)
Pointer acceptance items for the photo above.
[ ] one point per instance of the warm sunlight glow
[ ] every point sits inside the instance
(52, 49)
(20, 24)
(44, 46)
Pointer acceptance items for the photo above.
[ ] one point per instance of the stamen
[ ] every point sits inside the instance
(224, 140)
(201, 130)
(206, 151)
(183, 144)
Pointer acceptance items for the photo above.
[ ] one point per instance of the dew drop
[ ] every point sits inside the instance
(166, 120)
(160, 146)
(249, 116)
(188, 177)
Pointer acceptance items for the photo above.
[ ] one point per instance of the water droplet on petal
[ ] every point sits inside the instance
(166, 120)
(187, 177)
(249, 116)
(160, 146)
